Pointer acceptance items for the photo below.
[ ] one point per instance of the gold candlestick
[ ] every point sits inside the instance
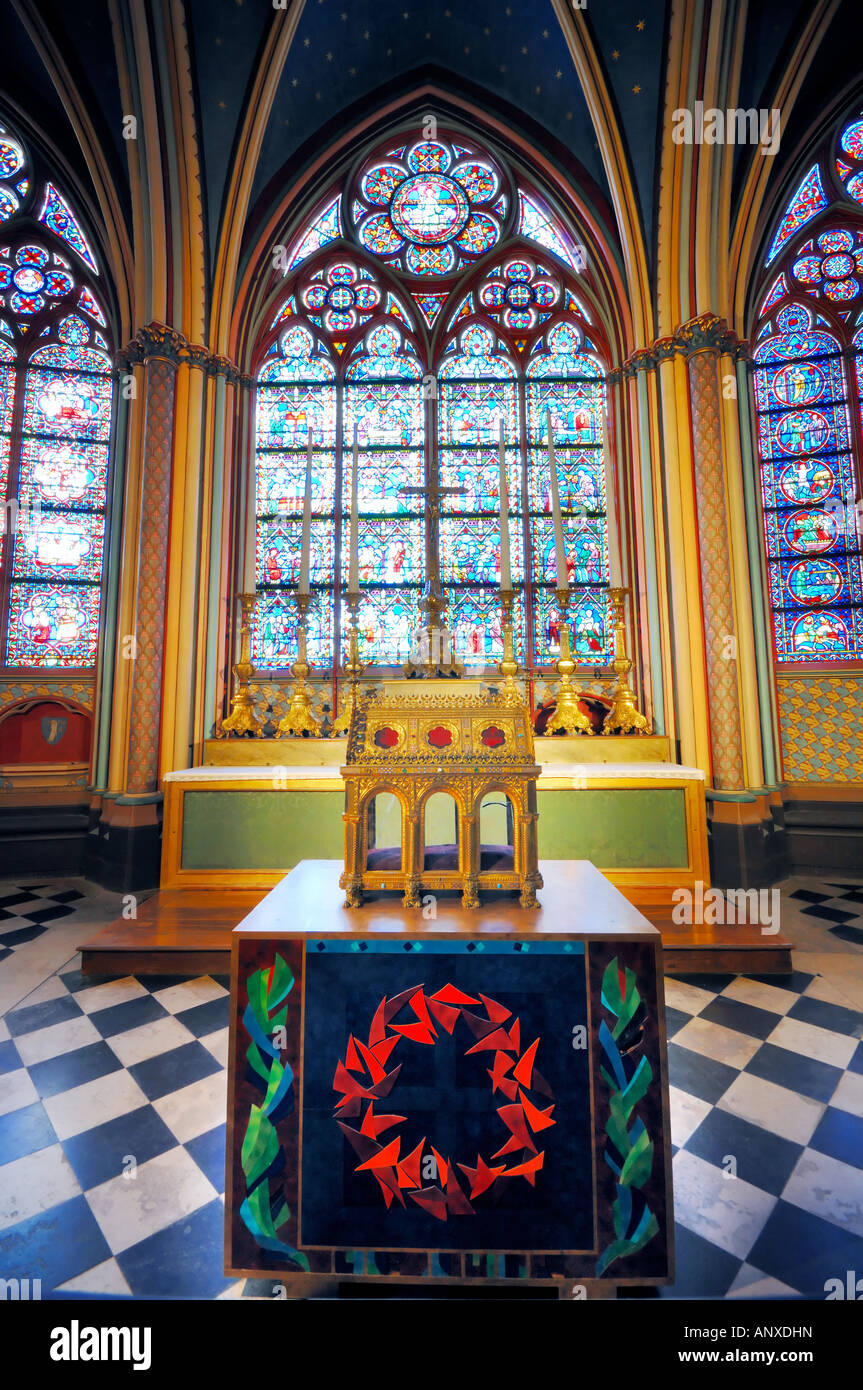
(508, 666)
(353, 671)
(242, 719)
(625, 715)
(567, 716)
(299, 718)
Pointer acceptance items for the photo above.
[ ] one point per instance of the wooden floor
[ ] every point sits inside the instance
(186, 931)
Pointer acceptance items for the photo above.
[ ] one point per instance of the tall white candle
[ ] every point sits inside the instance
(306, 542)
(505, 572)
(353, 552)
(556, 516)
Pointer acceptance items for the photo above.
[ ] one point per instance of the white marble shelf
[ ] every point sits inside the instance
(577, 773)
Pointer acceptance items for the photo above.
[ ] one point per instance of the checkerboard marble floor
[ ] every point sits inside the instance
(112, 1121)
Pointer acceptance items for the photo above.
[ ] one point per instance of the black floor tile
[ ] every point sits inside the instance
(698, 1076)
(76, 980)
(702, 1270)
(853, 935)
(764, 1160)
(823, 1015)
(796, 981)
(675, 1019)
(714, 984)
(841, 1136)
(206, 1018)
(103, 1153)
(9, 1058)
(133, 1013)
(25, 1131)
(73, 1069)
(50, 914)
(808, 895)
(184, 1259)
(69, 895)
(804, 1251)
(806, 1076)
(744, 1018)
(20, 935)
(856, 1063)
(45, 1015)
(208, 1151)
(829, 914)
(170, 1071)
(55, 1245)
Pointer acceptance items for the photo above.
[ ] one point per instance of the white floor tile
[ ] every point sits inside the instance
(728, 1212)
(34, 1183)
(197, 1108)
(687, 1112)
(16, 1091)
(151, 1039)
(189, 993)
(106, 996)
(57, 1040)
(754, 1283)
(827, 1188)
(165, 1189)
(94, 1103)
(717, 1042)
(106, 1278)
(217, 1043)
(772, 1107)
(689, 999)
(849, 1095)
(52, 988)
(819, 1043)
(759, 995)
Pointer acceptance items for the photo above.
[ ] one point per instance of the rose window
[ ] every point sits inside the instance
(519, 295)
(31, 279)
(428, 208)
(343, 296)
(831, 264)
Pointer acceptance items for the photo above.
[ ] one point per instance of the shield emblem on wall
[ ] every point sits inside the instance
(53, 728)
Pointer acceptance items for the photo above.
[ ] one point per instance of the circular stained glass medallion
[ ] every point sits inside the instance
(836, 240)
(837, 265)
(852, 140)
(819, 632)
(802, 431)
(798, 383)
(429, 209)
(815, 581)
(840, 291)
(810, 532)
(809, 480)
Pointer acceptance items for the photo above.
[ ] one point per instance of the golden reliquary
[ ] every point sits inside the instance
(440, 792)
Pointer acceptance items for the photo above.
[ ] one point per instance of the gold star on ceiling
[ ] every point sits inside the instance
(307, 42)
(616, 54)
(524, 48)
(352, 71)
(294, 81)
(329, 57)
(640, 24)
(636, 89)
(222, 105)
(558, 73)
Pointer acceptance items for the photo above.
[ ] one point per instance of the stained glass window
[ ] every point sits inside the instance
(55, 424)
(564, 385)
(477, 391)
(809, 426)
(381, 329)
(384, 401)
(296, 397)
(808, 492)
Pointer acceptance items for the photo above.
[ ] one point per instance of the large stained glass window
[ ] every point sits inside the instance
(478, 392)
(384, 404)
(434, 298)
(565, 389)
(809, 424)
(55, 423)
(296, 398)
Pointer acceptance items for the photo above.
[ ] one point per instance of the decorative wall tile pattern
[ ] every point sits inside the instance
(821, 719)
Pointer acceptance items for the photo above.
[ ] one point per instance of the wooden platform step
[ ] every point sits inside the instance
(188, 932)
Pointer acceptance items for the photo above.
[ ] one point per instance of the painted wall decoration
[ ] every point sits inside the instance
(822, 727)
(446, 1109)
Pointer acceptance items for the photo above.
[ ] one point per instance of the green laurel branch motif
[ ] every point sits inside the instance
(629, 1148)
(262, 1213)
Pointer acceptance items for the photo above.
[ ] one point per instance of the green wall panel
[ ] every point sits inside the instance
(261, 830)
(623, 828)
(616, 829)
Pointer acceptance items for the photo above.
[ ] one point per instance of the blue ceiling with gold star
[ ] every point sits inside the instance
(349, 57)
